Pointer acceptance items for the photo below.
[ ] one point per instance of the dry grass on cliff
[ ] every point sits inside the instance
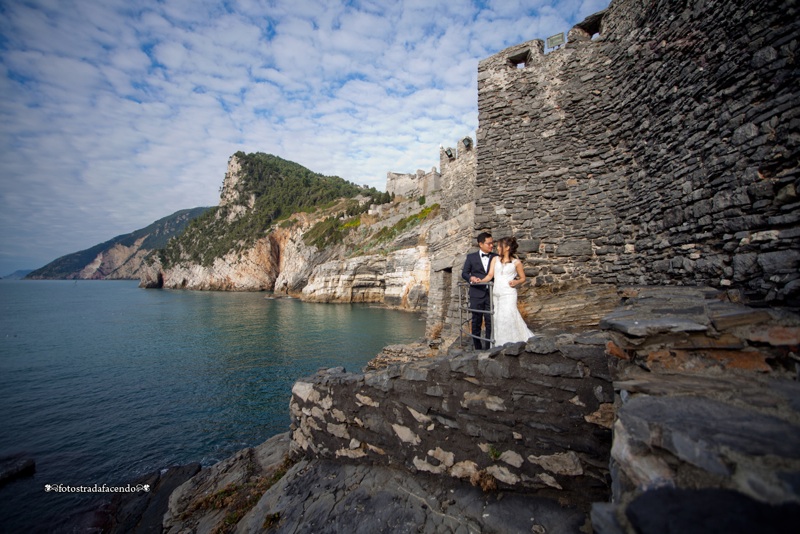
(483, 480)
(237, 499)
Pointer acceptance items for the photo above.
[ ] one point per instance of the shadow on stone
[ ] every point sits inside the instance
(709, 511)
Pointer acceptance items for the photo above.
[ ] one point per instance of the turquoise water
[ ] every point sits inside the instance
(102, 382)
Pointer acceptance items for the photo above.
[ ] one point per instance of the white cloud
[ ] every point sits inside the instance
(121, 112)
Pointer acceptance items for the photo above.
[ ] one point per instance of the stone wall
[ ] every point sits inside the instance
(662, 152)
(532, 417)
(414, 185)
(448, 243)
(450, 240)
(459, 167)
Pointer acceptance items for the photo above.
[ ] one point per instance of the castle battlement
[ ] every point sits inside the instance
(659, 153)
(413, 185)
(455, 179)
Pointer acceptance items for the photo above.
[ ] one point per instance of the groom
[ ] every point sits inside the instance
(475, 268)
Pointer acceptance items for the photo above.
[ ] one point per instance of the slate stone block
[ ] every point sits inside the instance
(709, 511)
(701, 431)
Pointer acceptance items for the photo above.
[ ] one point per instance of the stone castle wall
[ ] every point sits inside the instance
(452, 238)
(664, 151)
(413, 185)
(459, 167)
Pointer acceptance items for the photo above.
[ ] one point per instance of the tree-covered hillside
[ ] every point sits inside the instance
(277, 188)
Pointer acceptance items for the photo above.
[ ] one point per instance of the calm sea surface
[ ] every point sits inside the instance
(101, 382)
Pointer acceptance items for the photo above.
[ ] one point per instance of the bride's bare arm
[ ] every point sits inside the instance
(490, 275)
(520, 275)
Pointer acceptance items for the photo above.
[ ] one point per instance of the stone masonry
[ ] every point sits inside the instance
(530, 417)
(451, 239)
(662, 152)
(458, 167)
(414, 185)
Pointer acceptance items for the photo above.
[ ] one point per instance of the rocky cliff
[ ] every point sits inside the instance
(324, 255)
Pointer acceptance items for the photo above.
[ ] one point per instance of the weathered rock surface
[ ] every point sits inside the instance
(707, 410)
(296, 259)
(397, 354)
(700, 331)
(118, 262)
(335, 496)
(327, 496)
(253, 270)
(359, 279)
(218, 496)
(705, 511)
(144, 511)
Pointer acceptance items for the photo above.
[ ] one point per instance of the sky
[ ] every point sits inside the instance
(116, 113)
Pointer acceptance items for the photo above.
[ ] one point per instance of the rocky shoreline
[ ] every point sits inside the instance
(699, 394)
(324, 495)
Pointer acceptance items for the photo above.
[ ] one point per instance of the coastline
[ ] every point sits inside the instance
(519, 438)
(123, 382)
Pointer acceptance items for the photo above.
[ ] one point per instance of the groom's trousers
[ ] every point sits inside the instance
(478, 318)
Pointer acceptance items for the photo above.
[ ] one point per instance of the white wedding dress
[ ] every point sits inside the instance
(507, 324)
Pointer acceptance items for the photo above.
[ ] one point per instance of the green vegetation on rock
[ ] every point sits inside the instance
(388, 233)
(276, 188)
(381, 241)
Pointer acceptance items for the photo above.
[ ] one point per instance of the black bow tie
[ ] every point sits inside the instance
(484, 255)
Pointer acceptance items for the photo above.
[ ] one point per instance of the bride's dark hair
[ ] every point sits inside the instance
(511, 244)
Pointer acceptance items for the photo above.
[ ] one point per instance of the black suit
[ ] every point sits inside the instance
(478, 297)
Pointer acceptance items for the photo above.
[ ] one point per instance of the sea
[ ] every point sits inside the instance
(102, 382)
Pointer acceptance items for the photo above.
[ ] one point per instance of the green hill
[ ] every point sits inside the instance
(268, 189)
(155, 236)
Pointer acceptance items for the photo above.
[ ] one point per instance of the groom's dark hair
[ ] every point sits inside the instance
(483, 236)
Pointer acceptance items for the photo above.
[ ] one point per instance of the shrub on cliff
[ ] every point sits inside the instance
(381, 241)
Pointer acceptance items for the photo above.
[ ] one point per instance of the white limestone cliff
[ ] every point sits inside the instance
(254, 269)
(116, 263)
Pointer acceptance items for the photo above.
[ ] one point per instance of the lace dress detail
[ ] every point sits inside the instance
(508, 325)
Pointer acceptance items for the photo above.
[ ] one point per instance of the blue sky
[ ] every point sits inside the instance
(115, 113)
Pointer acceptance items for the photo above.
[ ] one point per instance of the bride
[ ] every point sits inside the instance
(508, 273)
